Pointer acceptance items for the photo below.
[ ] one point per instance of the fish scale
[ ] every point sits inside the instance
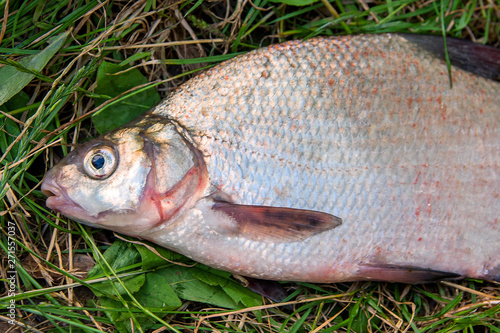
(364, 128)
(386, 159)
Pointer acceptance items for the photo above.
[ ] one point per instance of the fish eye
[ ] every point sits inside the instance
(100, 162)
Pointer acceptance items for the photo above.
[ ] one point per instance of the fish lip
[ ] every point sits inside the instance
(57, 198)
(55, 194)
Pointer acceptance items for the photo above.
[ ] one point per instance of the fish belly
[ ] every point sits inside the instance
(365, 128)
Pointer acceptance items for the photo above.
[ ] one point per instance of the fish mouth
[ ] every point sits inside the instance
(58, 200)
(56, 197)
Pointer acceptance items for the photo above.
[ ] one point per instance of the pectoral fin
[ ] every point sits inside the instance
(277, 223)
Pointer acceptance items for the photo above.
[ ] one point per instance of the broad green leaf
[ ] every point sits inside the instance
(157, 293)
(114, 287)
(121, 319)
(234, 289)
(119, 255)
(9, 132)
(13, 80)
(187, 286)
(204, 273)
(164, 287)
(296, 2)
(113, 80)
(241, 294)
(150, 259)
(19, 100)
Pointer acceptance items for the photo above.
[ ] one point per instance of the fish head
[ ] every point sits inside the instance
(129, 180)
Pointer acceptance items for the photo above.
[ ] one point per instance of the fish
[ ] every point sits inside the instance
(335, 159)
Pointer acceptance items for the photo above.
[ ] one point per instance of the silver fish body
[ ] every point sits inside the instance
(333, 159)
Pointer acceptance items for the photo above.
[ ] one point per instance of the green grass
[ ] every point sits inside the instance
(53, 110)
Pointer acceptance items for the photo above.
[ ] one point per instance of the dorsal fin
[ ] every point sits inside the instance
(476, 58)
